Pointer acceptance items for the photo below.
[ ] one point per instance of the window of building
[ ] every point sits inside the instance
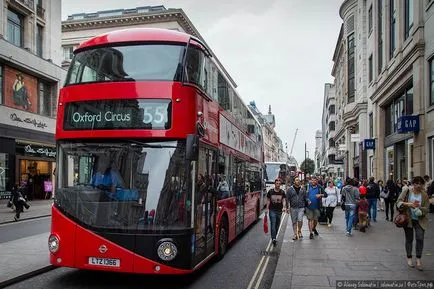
(332, 126)
(408, 13)
(331, 143)
(45, 99)
(15, 28)
(431, 77)
(39, 34)
(400, 106)
(351, 69)
(40, 11)
(371, 125)
(371, 69)
(380, 36)
(390, 125)
(392, 28)
(68, 52)
(409, 101)
(332, 109)
(370, 19)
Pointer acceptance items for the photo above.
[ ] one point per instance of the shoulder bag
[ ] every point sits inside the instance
(384, 195)
(401, 220)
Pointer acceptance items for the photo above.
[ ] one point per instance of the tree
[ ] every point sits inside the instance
(308, 166)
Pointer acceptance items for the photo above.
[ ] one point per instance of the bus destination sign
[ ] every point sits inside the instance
(118, 114)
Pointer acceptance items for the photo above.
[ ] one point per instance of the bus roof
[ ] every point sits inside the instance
(137, 35)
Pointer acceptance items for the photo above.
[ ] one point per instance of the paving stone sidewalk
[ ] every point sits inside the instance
(378, 254)
(38, 208)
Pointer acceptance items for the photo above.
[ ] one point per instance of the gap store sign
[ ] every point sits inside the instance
(369, 144)
(408, 123)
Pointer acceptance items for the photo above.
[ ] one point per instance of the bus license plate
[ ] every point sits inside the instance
(104, 262)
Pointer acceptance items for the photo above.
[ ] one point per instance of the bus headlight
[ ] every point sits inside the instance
(53, 243)
(167, 250)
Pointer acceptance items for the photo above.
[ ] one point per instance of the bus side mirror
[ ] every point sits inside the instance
(191, 147)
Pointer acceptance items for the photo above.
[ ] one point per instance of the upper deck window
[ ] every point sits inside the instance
(127, 63)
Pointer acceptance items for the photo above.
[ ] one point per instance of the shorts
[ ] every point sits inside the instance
(297, 215)
(312, 214)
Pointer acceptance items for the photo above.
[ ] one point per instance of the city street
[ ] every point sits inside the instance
(377, 254)
(238, 266)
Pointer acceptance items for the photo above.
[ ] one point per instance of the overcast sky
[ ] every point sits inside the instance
(279, 52)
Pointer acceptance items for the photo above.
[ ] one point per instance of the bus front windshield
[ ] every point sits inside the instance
(124, 185)
(158, 62)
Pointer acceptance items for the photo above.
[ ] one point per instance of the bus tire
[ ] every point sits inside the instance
(223, 238)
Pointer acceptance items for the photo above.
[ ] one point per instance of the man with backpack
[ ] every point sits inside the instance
(372, 194)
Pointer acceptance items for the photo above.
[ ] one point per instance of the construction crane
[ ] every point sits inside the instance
(293, 142)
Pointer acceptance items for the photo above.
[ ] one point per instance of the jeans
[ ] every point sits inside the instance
(372, 211)
(409, 239)
(350, 212)
(389, 204)
(274, 222)
(329, 214)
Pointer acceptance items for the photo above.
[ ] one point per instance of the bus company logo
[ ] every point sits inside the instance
(103, 249)
(109, 116)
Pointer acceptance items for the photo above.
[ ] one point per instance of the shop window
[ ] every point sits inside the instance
(4, 172)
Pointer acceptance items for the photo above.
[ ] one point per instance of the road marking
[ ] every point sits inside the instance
(267, 259)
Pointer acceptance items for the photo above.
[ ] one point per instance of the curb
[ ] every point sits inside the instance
(27, 275)
(29, 218)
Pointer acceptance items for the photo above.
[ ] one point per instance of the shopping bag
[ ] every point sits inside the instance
(265, 224)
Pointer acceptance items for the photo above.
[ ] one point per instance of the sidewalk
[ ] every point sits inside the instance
(378, 254)
(38, 208)
(28, 256)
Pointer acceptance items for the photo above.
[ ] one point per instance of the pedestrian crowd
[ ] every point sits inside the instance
(360, 199)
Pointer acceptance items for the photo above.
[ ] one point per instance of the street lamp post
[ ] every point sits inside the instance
(305, 152)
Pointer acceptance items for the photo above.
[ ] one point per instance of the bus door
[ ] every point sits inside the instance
(205, 204)
(239, 190)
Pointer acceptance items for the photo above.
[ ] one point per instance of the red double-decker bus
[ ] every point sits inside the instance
(159, 162)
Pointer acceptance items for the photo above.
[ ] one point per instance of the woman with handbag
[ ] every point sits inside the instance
(414, 203)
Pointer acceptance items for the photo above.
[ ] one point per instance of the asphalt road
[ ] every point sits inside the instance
(235, 271)
(24, 228)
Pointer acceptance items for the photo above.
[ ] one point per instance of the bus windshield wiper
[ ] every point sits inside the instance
(156, 146)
